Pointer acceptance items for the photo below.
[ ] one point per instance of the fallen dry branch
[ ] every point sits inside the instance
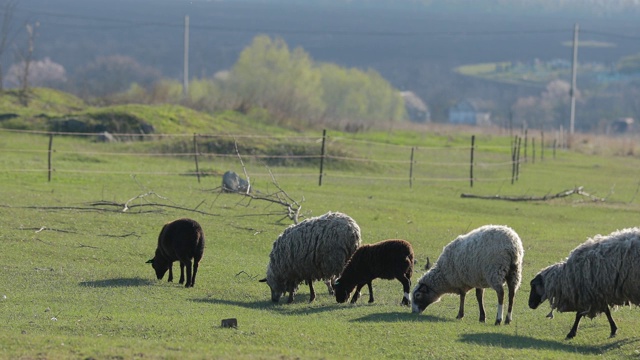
(120, 236)
(50, 208)
(247, 275)
(575, 191)
(280, 197)
(43, 228)
(125, 207)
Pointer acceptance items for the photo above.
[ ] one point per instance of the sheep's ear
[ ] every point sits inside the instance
(428, 265)
(263, 280)
(150, 261)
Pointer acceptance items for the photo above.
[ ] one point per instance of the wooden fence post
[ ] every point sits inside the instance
(411, 169)
(473, 145)
(49, 156)
(541, 146)
(533, 146)
(526, 137)
(195, 155)
(518, 160)
(324, 137)
(513, 159)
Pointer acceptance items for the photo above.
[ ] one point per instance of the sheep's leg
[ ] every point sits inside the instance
(182, 265)
(500, 292)
(512, 294)
(612, 323)
(574, 329)
(186, 264)
(406, 286)
(370, 292)
(195, 271)
(356, 295)
(170, 273)
(480, 297)
(311, 291)
(461, 310)
(290, 300)
(330, 282)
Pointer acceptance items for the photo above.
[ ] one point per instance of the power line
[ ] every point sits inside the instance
(610, 34)
(119, 23)
(133, 23)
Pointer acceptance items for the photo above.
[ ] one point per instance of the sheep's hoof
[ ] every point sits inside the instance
(482, 320)
(612, 335)
(570, 336)
(498, 321)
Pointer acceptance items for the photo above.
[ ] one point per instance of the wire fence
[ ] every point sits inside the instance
(323, 156)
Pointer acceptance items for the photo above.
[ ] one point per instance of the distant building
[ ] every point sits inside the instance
(416, 109)
(469, 112)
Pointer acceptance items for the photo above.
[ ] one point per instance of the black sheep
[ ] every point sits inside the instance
(180, 240)
(388, 259)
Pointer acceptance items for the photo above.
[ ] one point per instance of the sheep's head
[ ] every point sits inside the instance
(423, 296)
(277, 289)
(341, 291)
(160, 265)
(538, 293)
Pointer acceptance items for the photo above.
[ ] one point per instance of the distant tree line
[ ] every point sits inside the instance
(286, 85)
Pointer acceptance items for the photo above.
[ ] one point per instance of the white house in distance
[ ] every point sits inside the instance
(417, 110)
(469, 112)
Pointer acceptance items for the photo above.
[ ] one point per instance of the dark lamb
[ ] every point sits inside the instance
(388, 259)
(180, 240)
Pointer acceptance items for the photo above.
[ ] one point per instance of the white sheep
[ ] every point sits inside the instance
(602, 272)
(317, 248)
(486, 257)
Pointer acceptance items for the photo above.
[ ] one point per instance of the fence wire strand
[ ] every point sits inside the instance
(379, 156)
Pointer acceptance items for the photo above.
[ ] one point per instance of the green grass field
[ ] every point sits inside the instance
(75, 283)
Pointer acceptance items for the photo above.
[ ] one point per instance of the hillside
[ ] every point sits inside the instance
(54, 110)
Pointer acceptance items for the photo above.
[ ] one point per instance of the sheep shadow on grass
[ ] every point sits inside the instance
(526, 342)
(282, 307)
(395, 316)
(117, 282)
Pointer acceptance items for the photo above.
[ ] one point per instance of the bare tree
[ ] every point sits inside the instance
(26, 58)
(8, 8)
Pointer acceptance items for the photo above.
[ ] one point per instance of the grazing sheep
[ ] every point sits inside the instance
(315, 249)
(388, 259)
(602, 272)
(180, 240)
(486, 257)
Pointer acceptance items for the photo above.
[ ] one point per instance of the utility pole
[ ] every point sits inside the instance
(572, 93)
(185, 79)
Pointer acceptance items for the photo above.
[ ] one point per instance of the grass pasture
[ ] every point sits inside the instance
(75, 284)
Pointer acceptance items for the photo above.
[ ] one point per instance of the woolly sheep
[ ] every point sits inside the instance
(317, 248)
(180, 240)
(602, 272)
(486, 257)
(388, 259)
